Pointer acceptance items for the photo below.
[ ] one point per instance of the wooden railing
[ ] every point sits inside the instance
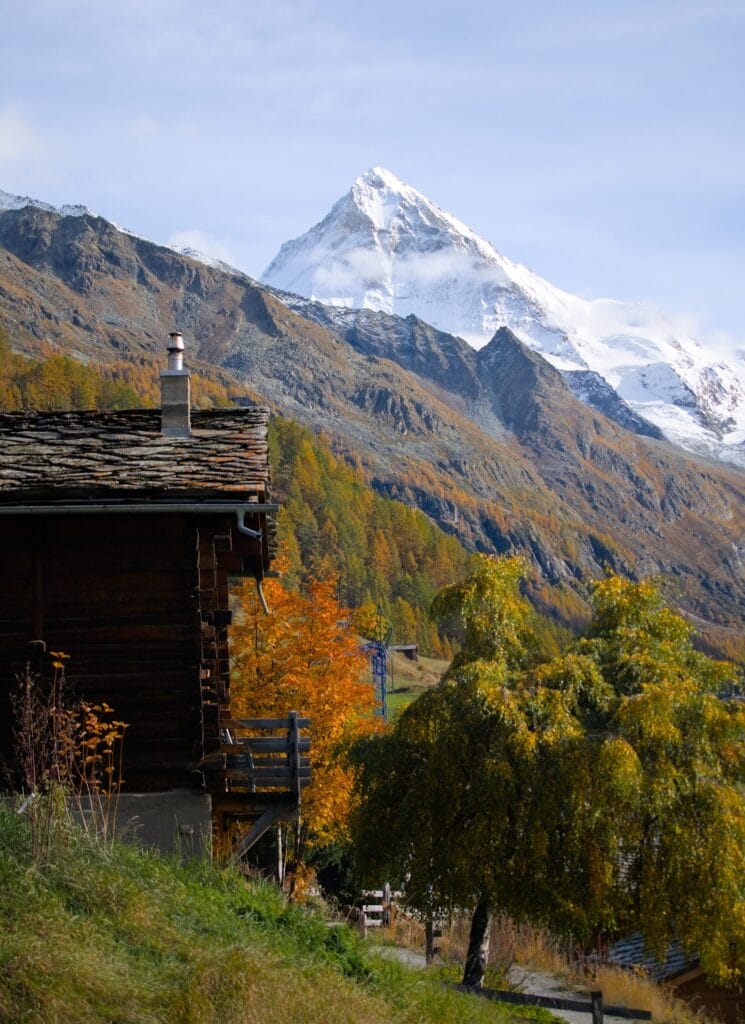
(256, 761)
(380, 913)
(257, 777)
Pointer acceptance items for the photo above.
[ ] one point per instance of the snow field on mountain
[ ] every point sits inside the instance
(384, 246)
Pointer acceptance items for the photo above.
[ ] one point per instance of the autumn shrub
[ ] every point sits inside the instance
(69, 758)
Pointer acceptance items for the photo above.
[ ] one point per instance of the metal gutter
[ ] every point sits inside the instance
(203, 508)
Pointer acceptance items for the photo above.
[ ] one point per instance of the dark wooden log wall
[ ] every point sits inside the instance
(140, 603)
(215, 541)
(120, 595)
(725, 1005)
(223, 554)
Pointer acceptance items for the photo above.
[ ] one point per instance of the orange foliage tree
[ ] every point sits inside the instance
(304, 656)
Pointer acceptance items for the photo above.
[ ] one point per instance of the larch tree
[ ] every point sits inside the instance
(594, 792)
(303, 656)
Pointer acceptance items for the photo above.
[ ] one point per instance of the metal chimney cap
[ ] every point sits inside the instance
(177, 342)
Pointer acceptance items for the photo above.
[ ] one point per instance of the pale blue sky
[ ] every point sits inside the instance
(602, 144)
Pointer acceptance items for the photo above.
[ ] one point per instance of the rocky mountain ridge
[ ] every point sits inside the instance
(446, 360)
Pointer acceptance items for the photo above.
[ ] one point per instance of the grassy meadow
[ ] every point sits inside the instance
(95, 935)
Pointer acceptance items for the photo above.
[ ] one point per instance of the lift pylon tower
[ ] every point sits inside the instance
(378, 651)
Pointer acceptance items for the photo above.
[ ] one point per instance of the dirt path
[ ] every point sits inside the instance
(406, 956)
(535, 983)
(540, 983)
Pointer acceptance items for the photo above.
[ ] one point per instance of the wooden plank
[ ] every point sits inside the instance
(92, 585)
(273, 779)
(242, 786)
(261, 723)
(554, 1003)
(266, 764)
(293, 735)
(267, 775)
(241, 804)
(78, 632)
(265, 822)
(263, 745)
(243, 747)
(626, 1012)
(596, 1007)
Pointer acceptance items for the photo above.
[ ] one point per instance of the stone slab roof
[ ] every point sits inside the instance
(120, 456)
(630, 952)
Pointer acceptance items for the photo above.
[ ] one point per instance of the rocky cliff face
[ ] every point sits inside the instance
(492, 444)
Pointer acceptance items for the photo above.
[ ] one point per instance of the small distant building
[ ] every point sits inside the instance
(119, 534)
(681, 972)
(409, 651)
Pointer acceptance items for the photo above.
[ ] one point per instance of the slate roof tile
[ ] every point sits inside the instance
(86, 456)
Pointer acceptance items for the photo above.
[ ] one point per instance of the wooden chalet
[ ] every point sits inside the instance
(119, 535)
(681, 972)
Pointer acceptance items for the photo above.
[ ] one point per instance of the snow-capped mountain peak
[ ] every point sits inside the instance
(390, 204)
(385, 246)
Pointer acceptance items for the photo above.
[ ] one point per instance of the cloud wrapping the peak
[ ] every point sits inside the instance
(195, 238)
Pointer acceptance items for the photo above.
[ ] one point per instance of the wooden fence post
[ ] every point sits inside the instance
(596, 1002)
(293, 754)
(432, 931)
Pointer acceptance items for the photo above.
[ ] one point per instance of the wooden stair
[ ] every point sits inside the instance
(257, 778)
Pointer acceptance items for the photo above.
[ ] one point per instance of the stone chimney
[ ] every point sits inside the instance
(175, 392)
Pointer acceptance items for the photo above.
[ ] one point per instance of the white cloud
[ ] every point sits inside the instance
(342, 277)
(19, 141)
(195, 238)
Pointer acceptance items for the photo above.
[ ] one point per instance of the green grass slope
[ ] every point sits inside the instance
(126, 937)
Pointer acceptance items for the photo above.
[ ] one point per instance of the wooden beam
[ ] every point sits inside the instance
(263, 745)
(261, 723)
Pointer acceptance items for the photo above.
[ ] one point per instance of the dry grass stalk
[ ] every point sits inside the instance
(69, 757)
(536, 948)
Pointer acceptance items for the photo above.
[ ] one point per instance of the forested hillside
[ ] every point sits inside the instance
(53, 381)
(384, 554)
